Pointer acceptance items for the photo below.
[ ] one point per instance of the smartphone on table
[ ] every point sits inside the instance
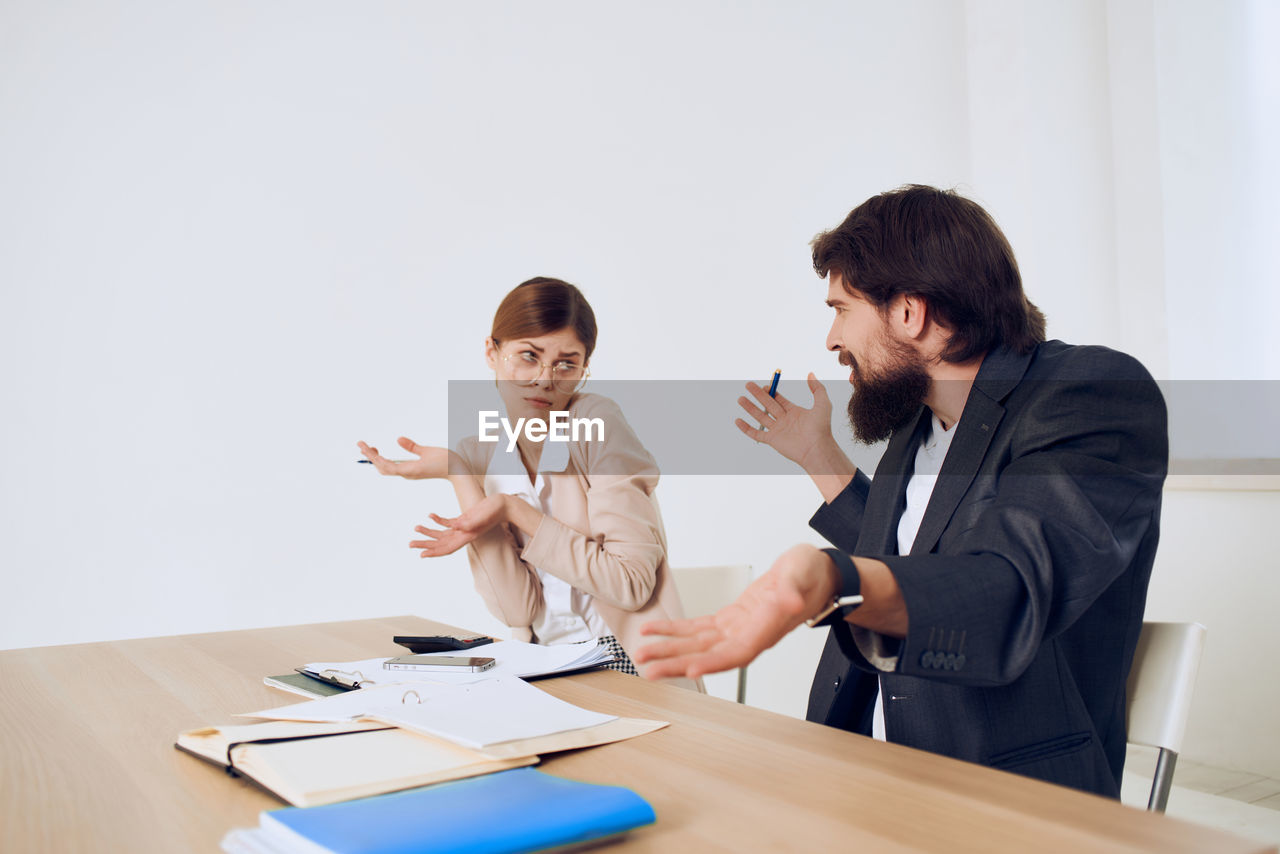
(441, 663)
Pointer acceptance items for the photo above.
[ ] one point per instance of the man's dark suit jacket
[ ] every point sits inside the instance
(1026, 584)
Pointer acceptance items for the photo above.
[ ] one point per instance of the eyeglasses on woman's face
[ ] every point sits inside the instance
(526, 368)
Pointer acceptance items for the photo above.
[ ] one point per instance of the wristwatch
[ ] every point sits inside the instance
(848, 595)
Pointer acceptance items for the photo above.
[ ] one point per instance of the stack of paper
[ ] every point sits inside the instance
(521, 810)
(478, 715)
(397, 736)
(514, 658)
(423, 728)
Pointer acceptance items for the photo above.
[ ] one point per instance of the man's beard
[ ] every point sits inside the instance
(884, 401)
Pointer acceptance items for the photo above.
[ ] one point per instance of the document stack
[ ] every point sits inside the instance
(424, 760)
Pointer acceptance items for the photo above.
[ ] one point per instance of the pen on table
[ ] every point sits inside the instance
(773, 386)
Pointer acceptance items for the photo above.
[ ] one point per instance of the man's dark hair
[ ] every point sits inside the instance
(935, 244)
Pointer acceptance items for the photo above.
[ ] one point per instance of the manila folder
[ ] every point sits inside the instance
(306, 764)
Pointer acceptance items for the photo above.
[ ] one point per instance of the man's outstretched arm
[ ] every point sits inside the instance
(799, 585)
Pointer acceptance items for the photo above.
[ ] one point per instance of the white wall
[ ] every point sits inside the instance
(237, 237)
(1219, 111)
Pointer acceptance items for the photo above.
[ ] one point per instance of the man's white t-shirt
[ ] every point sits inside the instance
(929, 457)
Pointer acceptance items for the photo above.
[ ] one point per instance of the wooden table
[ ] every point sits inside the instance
(87, 732)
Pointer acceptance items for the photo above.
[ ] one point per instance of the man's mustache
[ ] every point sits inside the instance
(845, 358)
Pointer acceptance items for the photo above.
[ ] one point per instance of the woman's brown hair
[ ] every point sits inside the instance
(542, 306)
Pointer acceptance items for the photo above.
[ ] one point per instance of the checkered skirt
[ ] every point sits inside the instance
(621, 661)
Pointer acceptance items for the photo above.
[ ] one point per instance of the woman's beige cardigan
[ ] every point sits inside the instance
(606, 537)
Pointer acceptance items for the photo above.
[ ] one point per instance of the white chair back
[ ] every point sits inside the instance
(705, 590)
(1161, 684)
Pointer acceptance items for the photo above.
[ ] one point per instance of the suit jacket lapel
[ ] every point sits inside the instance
(999, 375)
(978, 424)
(889, 487)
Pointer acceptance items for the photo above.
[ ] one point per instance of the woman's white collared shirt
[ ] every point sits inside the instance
(567, 615)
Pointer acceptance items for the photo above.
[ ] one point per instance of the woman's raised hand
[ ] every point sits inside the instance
(455, 533)
(430, 462)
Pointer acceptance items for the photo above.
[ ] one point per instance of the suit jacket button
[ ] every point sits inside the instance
(835, 686)
(926, 660)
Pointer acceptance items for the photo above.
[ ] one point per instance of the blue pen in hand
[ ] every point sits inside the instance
(773, 386)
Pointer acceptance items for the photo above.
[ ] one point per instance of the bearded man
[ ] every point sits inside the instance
(985, 590)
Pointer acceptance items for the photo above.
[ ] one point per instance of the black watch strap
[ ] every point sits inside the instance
(848, 594)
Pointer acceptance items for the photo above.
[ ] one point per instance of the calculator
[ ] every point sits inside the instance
(441, 643)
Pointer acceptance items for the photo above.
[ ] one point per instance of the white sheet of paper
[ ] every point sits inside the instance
(344, 707)
(476, 715)
(489, 712)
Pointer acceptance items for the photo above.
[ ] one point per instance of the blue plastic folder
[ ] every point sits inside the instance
(518, 810)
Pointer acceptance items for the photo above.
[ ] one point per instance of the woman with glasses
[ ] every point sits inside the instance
(565, 539)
